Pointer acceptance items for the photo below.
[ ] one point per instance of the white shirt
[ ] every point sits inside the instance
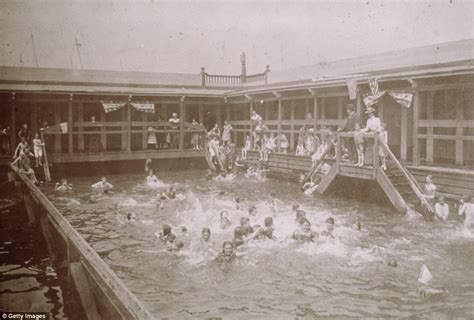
(442, 210)
(373, 124)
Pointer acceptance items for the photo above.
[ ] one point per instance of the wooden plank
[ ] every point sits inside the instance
(84, 291)
(80, 120)
(391, 192)
(327, 180)
(446, 137)
(445, 123)
(416, 113)
(429, 130)
(459, 149)
(404, 134)
(70, 120)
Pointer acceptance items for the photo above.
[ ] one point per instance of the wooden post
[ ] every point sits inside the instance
(57, 120)
(459, 153)
(219, 115)
(201, 113)
(376, 154)
(13, 125)
(251, 125)
(340, 111)
(306, 109)
(80, 120)
(33, 118)
(103, 135)
(70, 125)
(404, 134)
(279, 123)
(315, 112)
(123, 121)
(292, 126)
(182, 115)
(129, 127)
(416, 113)
(359, 104)
(429, 129)
(323, 108)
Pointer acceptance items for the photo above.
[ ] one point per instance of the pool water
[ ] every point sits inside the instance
(347, 276)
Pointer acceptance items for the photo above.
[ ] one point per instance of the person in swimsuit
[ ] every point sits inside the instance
(305, 234)
(227, 255)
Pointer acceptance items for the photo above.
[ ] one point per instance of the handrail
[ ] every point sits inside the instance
(413, 184)
(120, 296)
(47, 173)
(318, 164)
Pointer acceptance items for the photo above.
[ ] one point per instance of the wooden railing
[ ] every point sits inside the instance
(233, 80)
(408, 176)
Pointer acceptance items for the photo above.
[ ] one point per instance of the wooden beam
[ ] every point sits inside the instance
(323, 108)
(144, 116)
(306, 108)
(359, 104)
(70, 127)
(340, 109)
(57, 120)
(83, 288)
(459, 151)
(33, 118)
(182, 116)
(416, 114)
(123, 120)
(13, 124)
(404, 134)
(429, 130)
(251, 125)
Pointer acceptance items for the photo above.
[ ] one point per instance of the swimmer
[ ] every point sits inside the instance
(225, 222)
(237, 203)
(151, 178)
(266, 232)
(300, 216)
(238, 237)
(274, 201)
(166, 235)
(245, 225)
(305, 234)
(103, 185)
(227, 255)
(467, 208)
(329, 228)
(176, 247)
(441, 209)
(63, 186)
(169, 194)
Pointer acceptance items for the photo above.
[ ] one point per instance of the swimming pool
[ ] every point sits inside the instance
(347, 276)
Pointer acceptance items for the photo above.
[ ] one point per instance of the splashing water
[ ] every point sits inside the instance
(344, 276)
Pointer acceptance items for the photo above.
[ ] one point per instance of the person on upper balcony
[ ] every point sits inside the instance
(174, 125)
(349, 126)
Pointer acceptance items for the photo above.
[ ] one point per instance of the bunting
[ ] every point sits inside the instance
(404, 99)
(112, 106)
(144, 107)
(57, 128)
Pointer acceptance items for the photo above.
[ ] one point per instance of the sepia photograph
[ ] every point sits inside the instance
(241, 159)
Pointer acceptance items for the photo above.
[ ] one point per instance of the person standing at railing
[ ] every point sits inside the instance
(152, 142)
(372, 126)
(359, 144)
(38, 146)
(349, 126)
(195, 135)
(226, 133)
(174, 136)
(256, 120)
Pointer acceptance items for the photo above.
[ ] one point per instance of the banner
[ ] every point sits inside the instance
(404, 99)
(370, 100)
(111, 106)
(352, 88)
(57, 128)
(144, 107)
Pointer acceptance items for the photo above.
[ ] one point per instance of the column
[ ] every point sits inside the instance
(315, 112)
(459, 153)
(292, 127)
(182, 116)
(404, 134)
(103, 134)
(429, 129)
(80, 121)
(279, 123)
(251, 125)
(123, 121)
(416, 114)
(129, 127)
(33, 118)
(70, 125)
(57, 120)
(13, 125)
(144, 117)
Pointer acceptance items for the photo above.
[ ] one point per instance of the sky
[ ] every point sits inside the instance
(183, 36)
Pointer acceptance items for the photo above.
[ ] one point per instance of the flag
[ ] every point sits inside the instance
(57, 128)
(112, 106)
(370, 100)
(404, 99)
(352, 87)
(374, 86)
(144, 107)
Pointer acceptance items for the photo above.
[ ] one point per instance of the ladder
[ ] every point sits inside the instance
(318, 164)
(47, 173)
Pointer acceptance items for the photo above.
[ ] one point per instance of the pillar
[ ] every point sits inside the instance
(292, 126)
(70, 125)
(416, 114)
(57, 121)
(429, 129)
(279, 123)
(80, 121)
(459, 153)
(182, 116)
(404, 134)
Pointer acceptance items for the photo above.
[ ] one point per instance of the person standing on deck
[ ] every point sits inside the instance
(349, 126)
(24, 132)
(226, 133)
(195, 135)
(152, 142)
(373, 126)
(174, 125)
